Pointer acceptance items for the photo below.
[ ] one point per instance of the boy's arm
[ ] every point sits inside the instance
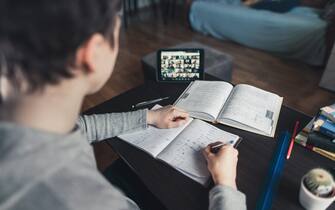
(98, 127)
(222, 166)
(227, 198)
(103, 126)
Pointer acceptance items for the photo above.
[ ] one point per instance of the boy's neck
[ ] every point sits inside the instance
(54, 109)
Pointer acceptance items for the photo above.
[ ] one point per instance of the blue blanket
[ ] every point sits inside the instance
(298, 33)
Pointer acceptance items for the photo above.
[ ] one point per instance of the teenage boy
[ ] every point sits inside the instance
(54, 53)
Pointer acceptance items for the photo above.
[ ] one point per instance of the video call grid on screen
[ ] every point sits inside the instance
(180, 65)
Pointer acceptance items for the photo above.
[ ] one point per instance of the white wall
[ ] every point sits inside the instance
(328, 77)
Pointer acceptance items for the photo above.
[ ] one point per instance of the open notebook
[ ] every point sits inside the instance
(181, 147)
(243, 106)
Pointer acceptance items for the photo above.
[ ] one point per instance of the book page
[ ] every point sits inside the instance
(153, 140)
(252, 108)
(205, 97)
(185, 152)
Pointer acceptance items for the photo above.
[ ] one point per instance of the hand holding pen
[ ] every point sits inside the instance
(222, 164)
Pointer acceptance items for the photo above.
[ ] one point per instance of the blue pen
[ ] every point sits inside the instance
(278, 161)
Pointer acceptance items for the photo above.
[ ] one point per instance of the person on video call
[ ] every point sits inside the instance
(54, 53)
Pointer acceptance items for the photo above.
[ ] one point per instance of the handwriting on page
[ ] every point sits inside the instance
(153, 140)
(185, 152)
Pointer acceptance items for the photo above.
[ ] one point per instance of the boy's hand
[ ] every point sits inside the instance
(222, 165)
(167, 117)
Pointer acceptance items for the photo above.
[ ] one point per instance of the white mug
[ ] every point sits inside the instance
(312, 202)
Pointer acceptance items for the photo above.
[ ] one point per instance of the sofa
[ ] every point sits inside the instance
(299, 33)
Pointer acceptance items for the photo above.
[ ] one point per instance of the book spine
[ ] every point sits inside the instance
(329, 112)
(329, 116)
(322, 152)
(327, 132)
(325, 126)
(321, 141)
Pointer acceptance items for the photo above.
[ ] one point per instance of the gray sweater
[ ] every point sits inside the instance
(42, 170)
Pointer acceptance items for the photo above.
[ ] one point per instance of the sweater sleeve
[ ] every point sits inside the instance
(226, 198)
(98, 127)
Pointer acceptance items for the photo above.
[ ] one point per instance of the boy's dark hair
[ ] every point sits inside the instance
(39, 38)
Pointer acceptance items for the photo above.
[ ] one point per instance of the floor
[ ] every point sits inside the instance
(295, 81)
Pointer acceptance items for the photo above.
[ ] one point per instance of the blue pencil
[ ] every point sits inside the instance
(278, 161)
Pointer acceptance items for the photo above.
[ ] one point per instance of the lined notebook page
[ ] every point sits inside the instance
(185, 152)
(153, 140)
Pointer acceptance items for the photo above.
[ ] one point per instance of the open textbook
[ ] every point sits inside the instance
(243, 106)
(181, 147)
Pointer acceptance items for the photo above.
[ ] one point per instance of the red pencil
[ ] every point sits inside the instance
(292, 140)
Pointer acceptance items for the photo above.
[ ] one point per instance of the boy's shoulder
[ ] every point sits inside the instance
(42, 171)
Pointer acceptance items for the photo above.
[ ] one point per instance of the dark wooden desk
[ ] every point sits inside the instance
(176, 191)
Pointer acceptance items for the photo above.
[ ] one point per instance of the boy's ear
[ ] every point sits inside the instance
(87, 53)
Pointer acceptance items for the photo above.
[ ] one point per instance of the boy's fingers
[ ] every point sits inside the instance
(214, 143)
(177, 123)
(179, 118)
(207, 152)
(204, 153)
(180, 114)
(179, 109)
(228, 148)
